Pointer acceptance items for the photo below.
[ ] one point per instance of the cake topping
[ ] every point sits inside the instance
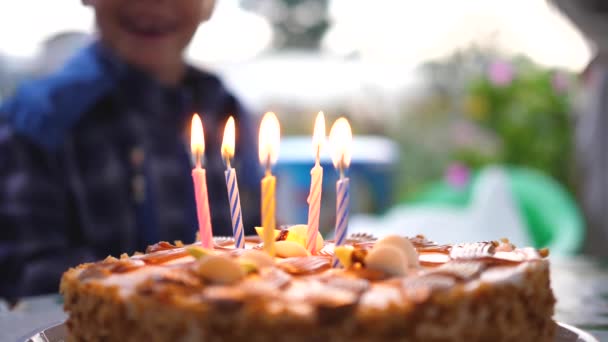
(267, 283)
(516, 256)
(360, 238)
(375, 273)
(433, 259)
(299, 233)
(198, 252)
(110, 266)
(274, 277)
(220, 269)
(160, 246)
(260, 232)
(366, 273)
(344, 255)
(294, 234)
(256, 257)
(327, 250)
(304, 265)
(505, 246)
(184, 279)
(94, 272)
(350, 256)
(420, 241)
(462, 270)
(126, 265)
(445, 249)
(358, 256)
(393, 255)
(288, 249)
(387, 259)
(404, 245)
(162, 257)
(473, 250)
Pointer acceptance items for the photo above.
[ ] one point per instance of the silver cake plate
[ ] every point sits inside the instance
(58, 333)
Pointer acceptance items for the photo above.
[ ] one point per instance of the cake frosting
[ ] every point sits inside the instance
(396, 288)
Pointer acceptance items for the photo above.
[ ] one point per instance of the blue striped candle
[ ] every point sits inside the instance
(341, 138)
(235, 208)
(342, 213)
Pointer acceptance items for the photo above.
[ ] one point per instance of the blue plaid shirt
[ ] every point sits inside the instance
(95, 161)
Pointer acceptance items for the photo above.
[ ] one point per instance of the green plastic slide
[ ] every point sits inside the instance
(550, 213)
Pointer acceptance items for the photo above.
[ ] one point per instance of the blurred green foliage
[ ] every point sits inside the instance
(528, 109)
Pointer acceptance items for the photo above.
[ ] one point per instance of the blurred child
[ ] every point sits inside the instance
(94, 160)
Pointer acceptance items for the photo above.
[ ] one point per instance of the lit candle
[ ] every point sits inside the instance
(316, 181)
(231, 184)
(197, 144)
(270, 136)
(340, 137)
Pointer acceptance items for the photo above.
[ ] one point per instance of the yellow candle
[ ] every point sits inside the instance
(270, 136)
(268, 212)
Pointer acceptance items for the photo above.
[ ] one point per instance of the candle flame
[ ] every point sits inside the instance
(229, 139)
(197, 138)
(270, 137)
(318, 137)
(341, 138)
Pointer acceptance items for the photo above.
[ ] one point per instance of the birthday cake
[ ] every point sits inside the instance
(395, 288)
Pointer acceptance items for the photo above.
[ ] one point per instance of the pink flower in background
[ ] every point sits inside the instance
(457, 175)
(560, 82)
(501, 73)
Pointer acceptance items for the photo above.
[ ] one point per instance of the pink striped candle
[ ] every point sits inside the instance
(197, 144)
(316, 186)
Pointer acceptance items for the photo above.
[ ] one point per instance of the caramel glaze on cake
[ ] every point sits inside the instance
(486, 291)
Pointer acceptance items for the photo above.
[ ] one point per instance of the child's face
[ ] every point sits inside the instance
(151, 34)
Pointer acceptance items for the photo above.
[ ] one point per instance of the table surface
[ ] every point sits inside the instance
(580, 285)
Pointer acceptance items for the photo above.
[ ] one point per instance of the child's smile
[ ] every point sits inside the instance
(151, 35)
(148, 26)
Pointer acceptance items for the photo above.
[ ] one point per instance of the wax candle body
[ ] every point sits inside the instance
(314, 207)
(202, 207)
(268, 212)
(342, 212)
(235, 208)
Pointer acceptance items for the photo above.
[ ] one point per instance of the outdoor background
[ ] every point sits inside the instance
(436, 92)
